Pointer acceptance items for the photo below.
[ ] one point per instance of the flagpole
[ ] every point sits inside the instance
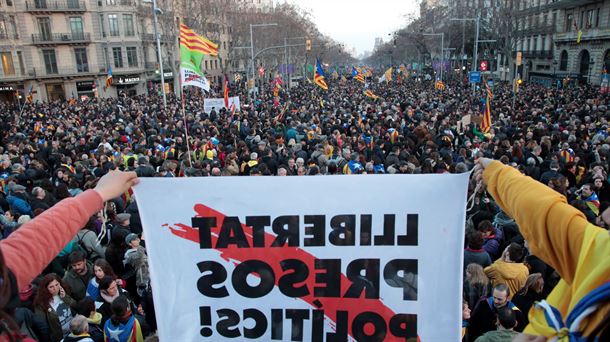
(186, 130)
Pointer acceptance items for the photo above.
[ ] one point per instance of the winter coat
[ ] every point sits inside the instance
(78, 284)
(19, 205)
(50, 317)
(512, 274)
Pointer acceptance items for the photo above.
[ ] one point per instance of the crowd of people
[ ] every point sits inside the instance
(99, 284)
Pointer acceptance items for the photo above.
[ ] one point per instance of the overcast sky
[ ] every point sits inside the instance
(358, 22)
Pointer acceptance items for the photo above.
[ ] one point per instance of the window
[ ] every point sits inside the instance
(215, 64)
(76, 27)
(590, 16)
(44, 28)
(80, 55)
(563, 61)
(113, 24)
(569, 22)
(128, 25)
(117, 55)
(7, 63)
(597, 18)
(102, 28)
(206, 65)
(21, 64)
(111, 2)
(3, 30)
(50, 63)
(132, 56)
(11, 19)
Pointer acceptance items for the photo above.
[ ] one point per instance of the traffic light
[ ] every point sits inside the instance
(308, 44)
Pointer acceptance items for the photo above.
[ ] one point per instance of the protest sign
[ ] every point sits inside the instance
(208, 104)
(376, 258)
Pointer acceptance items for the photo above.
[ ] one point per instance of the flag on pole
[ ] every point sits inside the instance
(193, 42)
(30, 97)
(192, 49)
(226, 91)
(370, 95)
(108, 78)
(578, 31)
(486, 122)
(440, 85)
(357, 74)
(318, 76)
(387, 76)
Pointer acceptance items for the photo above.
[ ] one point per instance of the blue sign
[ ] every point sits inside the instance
(474, 76)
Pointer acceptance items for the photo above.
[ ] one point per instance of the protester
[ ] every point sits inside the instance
(485, 314)
(507, 321)
(509, 269)
(79, 274)
(53, 304)
(561, 236)
(530, 293)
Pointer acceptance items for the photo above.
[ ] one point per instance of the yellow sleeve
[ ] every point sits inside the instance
(491, 272)
(553, 229)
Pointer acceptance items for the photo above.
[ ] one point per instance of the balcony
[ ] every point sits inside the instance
(595, 34)
(61, 38)
(48, 6)
(538, 54)
(561, 4)
(537, 29)
(150, 37)
(124, 3)
(65, 72)
(7, 36)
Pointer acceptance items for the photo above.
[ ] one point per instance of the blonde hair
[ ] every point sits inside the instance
(534, 282)
(475, 274)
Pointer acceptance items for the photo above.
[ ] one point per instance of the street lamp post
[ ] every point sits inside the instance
(475, 50)
(554, 72)
(252, 52)
(442, 34)
(155, 10)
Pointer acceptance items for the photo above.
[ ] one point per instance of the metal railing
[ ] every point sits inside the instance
(150, 37)
(61, 38)
(6, 35)
(55, 6)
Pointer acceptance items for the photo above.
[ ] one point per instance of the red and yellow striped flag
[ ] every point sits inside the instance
(486, 122)
(196, 43)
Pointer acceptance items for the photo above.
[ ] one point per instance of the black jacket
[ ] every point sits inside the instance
(485, 315)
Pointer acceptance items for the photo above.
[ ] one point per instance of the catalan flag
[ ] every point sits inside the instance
(226, 92)
(108, 78)
(370, 95)
(30, 97)
(318, 76)
(357, 74)
(486, 122)
(440, 85)
(192, 42)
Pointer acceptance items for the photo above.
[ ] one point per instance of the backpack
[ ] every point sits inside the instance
(81, 245)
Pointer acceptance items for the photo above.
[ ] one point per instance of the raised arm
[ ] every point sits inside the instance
(31, 248)
(553, 229)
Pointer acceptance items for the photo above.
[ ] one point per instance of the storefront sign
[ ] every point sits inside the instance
(128, 79)
(6, 88)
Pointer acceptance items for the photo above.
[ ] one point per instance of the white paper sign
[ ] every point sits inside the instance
(367, 257)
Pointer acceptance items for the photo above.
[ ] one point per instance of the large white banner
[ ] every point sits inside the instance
(333, 258)
(208, 104)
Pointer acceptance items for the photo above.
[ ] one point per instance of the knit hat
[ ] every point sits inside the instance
(130, 237)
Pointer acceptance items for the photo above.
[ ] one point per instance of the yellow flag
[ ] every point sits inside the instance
(388, 75)
(579, 36)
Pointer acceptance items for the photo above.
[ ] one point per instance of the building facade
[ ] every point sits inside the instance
(62, 49)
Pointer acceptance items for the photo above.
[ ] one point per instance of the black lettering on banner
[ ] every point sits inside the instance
(369, 319)
(340, 333)
(411, 238)
(297, 316)
(288, 281)
(265, 273)
(232, 233)
(387, 239)
(205, 319)
(277, 324)
(408, 280)
(205, 225)
(366, 224)
(217, 275)
(331, 279)
(404, 325)
(369, 282)
(287, 230)
(316, 230)
(317, 326)
(260, 323)
(228, 319)
(258, 224)
(342, 233)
